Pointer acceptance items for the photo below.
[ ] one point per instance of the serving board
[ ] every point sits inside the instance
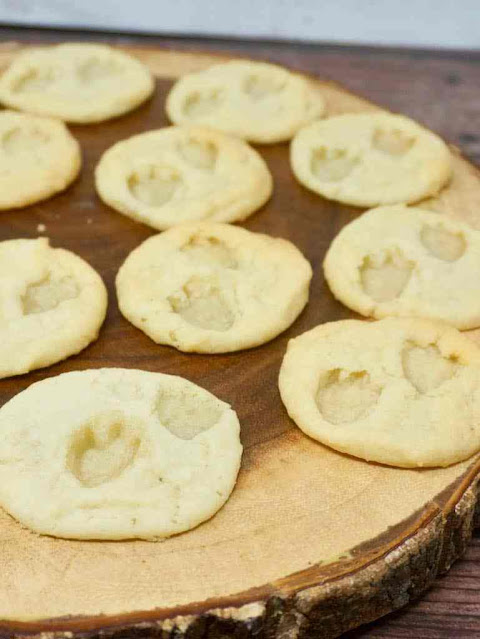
(312, 542)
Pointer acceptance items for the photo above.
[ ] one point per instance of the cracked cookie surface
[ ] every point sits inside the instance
(370, 159)
(213, 288)
(260, 102)
(116, 454)
(406, 261)
(183, 174)
(403, 392)
(38, 158)
(52, 305)
(76, 82)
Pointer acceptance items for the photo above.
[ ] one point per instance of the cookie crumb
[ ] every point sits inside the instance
(41, 228)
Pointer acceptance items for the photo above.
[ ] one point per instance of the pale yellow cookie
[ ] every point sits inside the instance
(368, 159)
(403, 261)
(38, 158)
(403, 392)
(52, 304)
(183, 174)
(76, 82)
(256, 101)
(213, 288)
(116, 454)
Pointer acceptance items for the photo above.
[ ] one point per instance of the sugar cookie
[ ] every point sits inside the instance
(403, 392)
(116, 454)
(404, 261)
(76, 82)
(38, 158)
(259, 102)
(52, 305)
(213, 288)
(183, 174)
(368, 159)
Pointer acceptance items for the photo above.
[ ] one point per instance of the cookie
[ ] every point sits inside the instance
(79, 82)
(38, 158)
(369, 159)
(259, 102)
(52, 305)
(116, 454)
(183, 174)
(396, 260)
(403, 392)
(213, 288)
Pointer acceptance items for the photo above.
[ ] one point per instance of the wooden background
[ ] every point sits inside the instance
(442, 90)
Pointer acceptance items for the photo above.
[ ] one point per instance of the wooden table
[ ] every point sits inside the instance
(442, 91)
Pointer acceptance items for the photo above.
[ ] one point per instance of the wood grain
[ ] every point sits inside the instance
(79, 221)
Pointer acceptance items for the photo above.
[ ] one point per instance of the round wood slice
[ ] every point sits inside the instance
(312, 542)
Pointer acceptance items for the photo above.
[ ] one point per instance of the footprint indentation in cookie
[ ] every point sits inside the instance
(48, 294)
(443, 244)
(392, 141)
(186, 414)
(35, 81)
(258, 87)
(202, 303)
(210, 251)
(22, 140)
(198, 105)
(201, 154)
(154, 185)
(102, 450)
(346, 397)
(426, 368)
(95, 71)
(331, 165)
(384, 278)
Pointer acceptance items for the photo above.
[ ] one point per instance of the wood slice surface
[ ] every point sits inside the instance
(312, 542)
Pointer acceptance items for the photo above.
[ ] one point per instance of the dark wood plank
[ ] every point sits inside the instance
(450, 609)
(441, 90)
